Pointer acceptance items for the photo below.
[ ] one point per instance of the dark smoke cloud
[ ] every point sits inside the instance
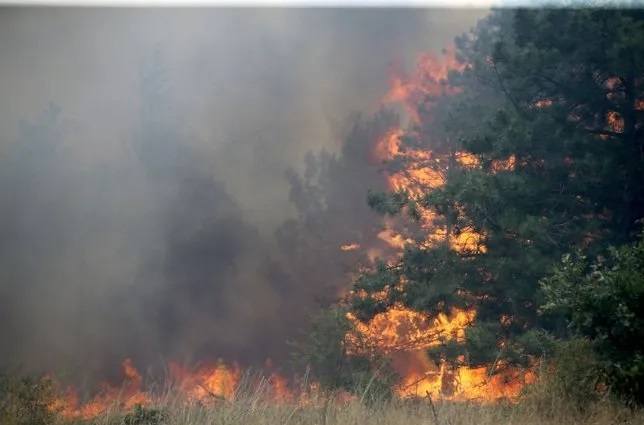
(141, 195)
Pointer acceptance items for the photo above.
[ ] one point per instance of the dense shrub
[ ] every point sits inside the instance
(604, 302)
(26, 400)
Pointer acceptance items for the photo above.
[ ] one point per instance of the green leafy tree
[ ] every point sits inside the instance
(604, 302)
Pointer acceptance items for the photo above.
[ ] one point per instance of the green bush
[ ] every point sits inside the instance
(604, 302)
(26, 400)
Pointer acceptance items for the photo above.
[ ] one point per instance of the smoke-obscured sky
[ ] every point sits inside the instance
(143, 157)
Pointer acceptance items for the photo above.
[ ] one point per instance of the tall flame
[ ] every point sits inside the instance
(406, 334)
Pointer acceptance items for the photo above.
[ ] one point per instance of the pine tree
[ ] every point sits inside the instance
(549, 106)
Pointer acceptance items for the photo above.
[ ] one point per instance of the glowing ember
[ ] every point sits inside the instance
(615, 122)
(350, 247)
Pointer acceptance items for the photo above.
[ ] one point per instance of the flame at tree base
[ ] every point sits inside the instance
(462, 383)
(406, 336)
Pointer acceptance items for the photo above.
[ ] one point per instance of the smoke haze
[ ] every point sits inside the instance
(143, 160)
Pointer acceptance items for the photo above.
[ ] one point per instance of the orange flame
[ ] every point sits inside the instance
(125, 396)
(406, 334)
(428, 79)
(205, 385)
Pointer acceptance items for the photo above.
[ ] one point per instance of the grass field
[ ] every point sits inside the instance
(537, 407)
(552, 400)
(246, 412)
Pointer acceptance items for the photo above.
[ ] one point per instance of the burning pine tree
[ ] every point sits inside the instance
(419, 161)
(504, 169)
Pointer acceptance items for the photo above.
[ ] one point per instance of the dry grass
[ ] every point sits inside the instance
(552, 401)
(247, 413)
(256, 408)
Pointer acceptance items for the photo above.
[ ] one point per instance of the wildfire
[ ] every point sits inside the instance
(218, 383)
(427, 80)
(405, 334)
(400, 329)
(124, 396)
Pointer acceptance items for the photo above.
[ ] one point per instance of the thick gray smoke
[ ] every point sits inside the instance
(143, 172)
